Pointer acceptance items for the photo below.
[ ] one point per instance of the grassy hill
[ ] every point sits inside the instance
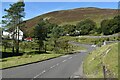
(108, 55)
(71, 16)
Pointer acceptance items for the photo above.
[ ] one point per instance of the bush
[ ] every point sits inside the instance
(6, 44)
(28, 46)
(86, 27)
(111, 26)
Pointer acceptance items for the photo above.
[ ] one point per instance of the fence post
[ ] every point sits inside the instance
(104, 72)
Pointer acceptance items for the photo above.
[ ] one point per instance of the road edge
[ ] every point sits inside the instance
(30, 63)
(79, 73)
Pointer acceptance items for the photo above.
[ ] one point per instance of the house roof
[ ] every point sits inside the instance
(13, 29)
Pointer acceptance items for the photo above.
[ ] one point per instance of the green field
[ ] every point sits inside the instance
(105, 55)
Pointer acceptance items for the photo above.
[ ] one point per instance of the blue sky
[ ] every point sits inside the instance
(33, 9)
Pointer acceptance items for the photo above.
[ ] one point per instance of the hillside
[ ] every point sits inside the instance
(71, 16)
(105, 55)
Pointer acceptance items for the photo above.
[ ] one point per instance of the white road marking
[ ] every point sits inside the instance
(64, 60)
(57, 64)
(53, 66)
(40, 74)
(69, 57)
(45, 71)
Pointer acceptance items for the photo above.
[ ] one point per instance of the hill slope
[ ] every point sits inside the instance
(108, 55)
(71, 16)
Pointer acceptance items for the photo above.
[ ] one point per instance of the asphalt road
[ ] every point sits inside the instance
(61, 67)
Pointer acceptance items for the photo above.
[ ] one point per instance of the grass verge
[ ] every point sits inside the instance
(25, 59)
(94, 61)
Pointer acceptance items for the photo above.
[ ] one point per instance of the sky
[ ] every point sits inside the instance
(33, 9)
(63, 0)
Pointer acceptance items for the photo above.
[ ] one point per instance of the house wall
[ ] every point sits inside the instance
(5, 34)
(16, 35)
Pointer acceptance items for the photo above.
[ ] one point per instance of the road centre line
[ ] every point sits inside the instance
(40, 74)
(64, 60)
(53, 66)
(57, 64)
(69, 57)
(50, 68)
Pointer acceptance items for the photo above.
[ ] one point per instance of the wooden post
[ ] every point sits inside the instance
(104, 72)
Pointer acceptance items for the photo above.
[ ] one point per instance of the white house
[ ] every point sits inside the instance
(9, 35)
(5, 34)
(17, 34)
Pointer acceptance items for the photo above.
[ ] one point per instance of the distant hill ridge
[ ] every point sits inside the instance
(71, 16)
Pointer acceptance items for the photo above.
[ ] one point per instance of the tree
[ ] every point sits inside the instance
(68, 29)
(0, 33)
(55, 34)
(116, 26)
(63, 45)
(13, 18)
(86, 27)
(6, 45)
(40, 32)
(105, 27)
(111, 26)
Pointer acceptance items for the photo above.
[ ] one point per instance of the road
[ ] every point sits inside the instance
(103, 36)
(61, 67)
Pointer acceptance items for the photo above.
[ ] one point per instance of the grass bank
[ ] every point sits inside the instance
(26, 58)
(105, 55)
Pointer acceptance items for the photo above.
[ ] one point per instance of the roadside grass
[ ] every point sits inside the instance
(26, 58)
(93, 63)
